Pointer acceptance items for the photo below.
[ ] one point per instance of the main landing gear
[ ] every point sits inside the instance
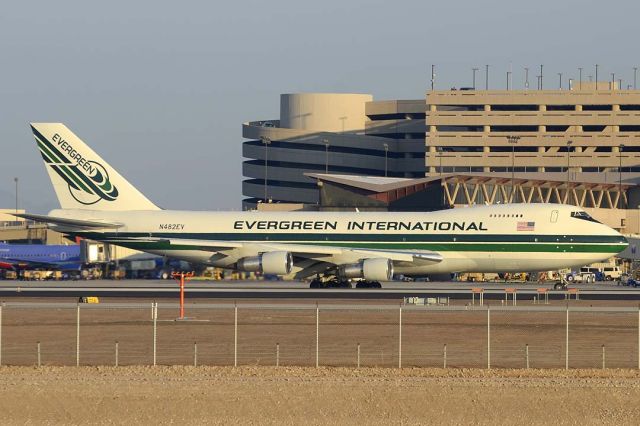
(335, 282)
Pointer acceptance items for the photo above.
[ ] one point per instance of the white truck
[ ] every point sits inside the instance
(581, 277)
(612, 273)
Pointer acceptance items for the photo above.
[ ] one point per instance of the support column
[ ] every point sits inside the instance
(541, 150)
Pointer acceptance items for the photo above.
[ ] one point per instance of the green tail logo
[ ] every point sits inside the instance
(88, 180)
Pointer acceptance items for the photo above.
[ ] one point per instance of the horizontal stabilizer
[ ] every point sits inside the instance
(76, 223)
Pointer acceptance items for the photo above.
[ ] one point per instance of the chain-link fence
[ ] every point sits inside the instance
(536, 336)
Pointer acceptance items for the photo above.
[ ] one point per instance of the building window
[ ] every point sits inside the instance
(514, 128)
(561, 107)
(459, 107)
(557, 128)
(459, 128)
(597, 107)
(514, 107)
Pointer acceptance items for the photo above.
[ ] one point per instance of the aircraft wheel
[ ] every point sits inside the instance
(558, 286)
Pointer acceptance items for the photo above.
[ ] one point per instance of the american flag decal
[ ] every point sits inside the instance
(526, 226)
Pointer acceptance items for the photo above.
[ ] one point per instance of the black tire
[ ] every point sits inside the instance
(316, 283)
(608, 278)
(558, 286)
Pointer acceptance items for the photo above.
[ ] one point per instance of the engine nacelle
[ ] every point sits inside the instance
(273, 262)
(369, 269)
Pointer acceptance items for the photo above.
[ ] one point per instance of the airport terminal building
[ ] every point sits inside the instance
(337, 133)
(579, 146)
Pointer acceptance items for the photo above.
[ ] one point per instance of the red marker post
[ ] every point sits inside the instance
(180, 277)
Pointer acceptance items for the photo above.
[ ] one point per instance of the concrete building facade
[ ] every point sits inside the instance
(335, 133)
(570, 135)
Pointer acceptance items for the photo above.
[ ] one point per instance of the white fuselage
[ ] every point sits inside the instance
(500, 238)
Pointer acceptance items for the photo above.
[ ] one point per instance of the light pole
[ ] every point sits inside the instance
(15, 179)
(620, 148)
(580, 72)
(433, 77)
(597, 76)
(569, 143)
(386, 152)
(513, 140)
(526, 78)
(560, 75)
(541, 66)
(635, 75)
(326, 155)
(474, 70)
(486, 76)
(266, 141)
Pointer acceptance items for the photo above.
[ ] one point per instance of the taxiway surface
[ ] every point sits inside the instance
(299, 290)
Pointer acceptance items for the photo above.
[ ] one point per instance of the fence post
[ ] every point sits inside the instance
(488, 337)
(526, 354)
(38, 352)
(277, 354)
(77, 334)
(155, 333)
(400, 338)
(235, 335)
(603, 358)
(317, 334)
(566, 342)
(117, 354)
(444, 355)
(358, 355)
(195, 354)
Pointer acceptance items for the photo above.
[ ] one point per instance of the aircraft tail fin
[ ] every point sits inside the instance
(80, 178)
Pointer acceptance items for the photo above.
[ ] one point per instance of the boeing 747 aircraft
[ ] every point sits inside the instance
(337, 248)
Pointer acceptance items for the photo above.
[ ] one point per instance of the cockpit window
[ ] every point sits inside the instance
(583, 216)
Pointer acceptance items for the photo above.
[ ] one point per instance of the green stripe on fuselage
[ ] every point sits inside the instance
(479, 246)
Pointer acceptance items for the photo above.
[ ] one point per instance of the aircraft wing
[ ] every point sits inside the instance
(329, 254)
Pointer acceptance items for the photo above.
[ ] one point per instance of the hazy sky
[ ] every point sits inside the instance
(160, 89)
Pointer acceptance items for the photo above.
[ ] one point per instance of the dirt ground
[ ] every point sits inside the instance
(302, 395)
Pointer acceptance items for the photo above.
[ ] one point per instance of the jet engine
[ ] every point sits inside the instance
(274, 262)
(369, 269)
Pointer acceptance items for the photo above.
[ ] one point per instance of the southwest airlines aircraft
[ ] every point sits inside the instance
(24, 256)
(337, 248)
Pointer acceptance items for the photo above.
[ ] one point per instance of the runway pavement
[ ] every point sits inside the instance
(295, 289)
